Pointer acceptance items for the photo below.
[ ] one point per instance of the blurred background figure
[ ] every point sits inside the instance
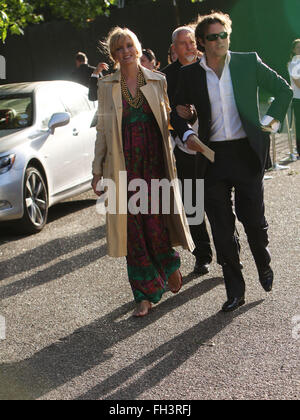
(83, 70)
(149, 60)
(172, 55)
(294, 71)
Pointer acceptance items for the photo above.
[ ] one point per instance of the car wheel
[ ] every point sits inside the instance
(35, 202)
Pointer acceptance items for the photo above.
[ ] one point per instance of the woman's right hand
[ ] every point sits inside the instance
(95, 182)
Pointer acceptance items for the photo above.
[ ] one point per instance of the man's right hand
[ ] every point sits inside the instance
(192, 143)
(100, 67)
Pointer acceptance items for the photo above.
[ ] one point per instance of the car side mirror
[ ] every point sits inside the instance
(59, 119)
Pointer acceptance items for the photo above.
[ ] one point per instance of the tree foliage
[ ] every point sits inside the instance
(79, 12)
(15, 15)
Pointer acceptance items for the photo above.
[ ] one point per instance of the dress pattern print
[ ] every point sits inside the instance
(150, 258)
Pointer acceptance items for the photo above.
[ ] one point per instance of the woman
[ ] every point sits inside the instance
(149, 60)
(133, 137)
(172, 56)
(294, 71)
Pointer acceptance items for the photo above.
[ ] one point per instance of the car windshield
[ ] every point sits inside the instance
(16, 112)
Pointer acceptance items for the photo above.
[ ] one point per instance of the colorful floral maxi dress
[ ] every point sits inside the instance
(150, 258)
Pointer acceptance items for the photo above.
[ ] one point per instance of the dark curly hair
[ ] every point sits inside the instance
(204, 21)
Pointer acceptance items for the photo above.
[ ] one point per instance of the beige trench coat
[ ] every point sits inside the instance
(109, 157)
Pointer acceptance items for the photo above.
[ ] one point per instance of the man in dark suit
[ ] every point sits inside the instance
(83, 71)
(87, 75)
(184, 44)
(100, 71)
(223, 87)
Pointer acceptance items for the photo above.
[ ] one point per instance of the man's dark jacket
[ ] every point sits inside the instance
(172, 74)
(248, 74)
(83, 74)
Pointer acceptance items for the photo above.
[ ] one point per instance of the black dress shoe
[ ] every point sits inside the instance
(201, 269)
(266, 279)
(233, 304)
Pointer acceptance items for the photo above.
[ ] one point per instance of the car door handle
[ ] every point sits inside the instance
(75, 132)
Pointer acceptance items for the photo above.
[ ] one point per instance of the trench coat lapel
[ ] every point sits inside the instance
(150, 93)
(117, 100)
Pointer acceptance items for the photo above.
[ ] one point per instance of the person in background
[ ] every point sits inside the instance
(185, 48)
(133, 137)
(149, 60)
(172, 56)
(223, 86)
(93, 82)
(83, 70)
(294, 71)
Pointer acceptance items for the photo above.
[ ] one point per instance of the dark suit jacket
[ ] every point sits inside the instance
(248, 74)
(172, 72)
(93, 89)
(82, 74)
(93, 85)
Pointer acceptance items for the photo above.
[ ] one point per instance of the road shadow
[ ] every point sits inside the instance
(170, 356)
(48, 252)
(66, 208)
(9, 230)
(91, 345)
(53, 272)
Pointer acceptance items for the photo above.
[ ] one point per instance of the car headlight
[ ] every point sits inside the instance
(6, 163)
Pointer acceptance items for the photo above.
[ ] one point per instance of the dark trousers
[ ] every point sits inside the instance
(186, 169)
(296, 107)
(236, 168)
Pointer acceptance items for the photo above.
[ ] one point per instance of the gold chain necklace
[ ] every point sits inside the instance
(138, 100)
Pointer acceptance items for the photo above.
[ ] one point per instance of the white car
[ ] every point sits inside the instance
(47, 138)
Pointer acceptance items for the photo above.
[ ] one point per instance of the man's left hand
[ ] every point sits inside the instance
(185, 111)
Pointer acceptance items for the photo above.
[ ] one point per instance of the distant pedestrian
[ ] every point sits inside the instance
(172, 56)
(83, 70)
(133, 137)
(149, 60)
(93, 82)
(294, 71)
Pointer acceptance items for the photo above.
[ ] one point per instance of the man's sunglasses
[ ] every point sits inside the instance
(214, 37)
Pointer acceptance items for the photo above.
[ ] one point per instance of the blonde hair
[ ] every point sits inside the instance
(116, 36)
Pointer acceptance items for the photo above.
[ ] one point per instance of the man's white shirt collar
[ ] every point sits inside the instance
(203, 62)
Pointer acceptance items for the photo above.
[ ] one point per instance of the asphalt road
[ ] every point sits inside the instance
(70, 334)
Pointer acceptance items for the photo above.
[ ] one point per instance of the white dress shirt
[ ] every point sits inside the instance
(226, 121)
